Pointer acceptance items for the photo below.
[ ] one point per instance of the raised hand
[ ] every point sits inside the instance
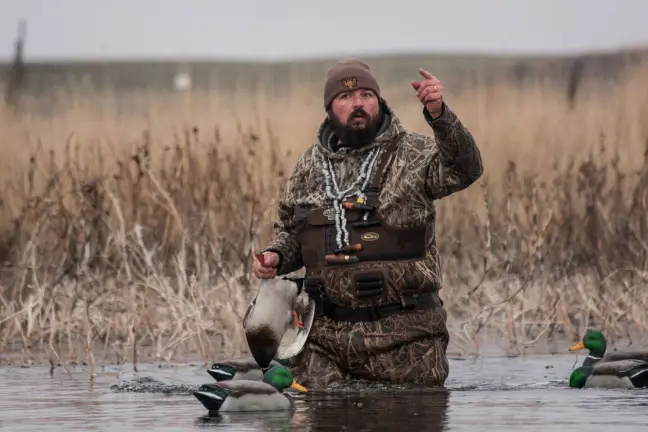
(430, 92)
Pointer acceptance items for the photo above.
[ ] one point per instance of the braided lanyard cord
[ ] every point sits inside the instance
(356, 189)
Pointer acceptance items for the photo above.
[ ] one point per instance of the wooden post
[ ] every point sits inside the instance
(16, 79)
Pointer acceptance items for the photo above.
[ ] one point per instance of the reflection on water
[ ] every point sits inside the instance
(488, 394)
(425, 411)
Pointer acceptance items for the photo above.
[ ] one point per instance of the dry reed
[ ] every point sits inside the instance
(127, 225)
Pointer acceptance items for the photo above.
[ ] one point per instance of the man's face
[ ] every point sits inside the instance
(355, 117)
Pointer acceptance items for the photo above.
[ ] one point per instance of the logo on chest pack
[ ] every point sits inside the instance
(370, 236)
(329, 214)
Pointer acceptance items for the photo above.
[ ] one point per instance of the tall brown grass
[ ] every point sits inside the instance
(128, 224)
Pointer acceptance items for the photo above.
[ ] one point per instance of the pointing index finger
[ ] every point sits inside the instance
(425, 74)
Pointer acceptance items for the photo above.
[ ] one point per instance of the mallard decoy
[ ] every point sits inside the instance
(595, 342)
(273, 325)
(239, 369)
(247, 395)
(618, 369)
(620, 374)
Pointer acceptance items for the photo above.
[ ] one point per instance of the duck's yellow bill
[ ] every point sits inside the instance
(579, 346)
(298, 387)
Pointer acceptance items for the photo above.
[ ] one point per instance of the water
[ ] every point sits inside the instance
(487, 394)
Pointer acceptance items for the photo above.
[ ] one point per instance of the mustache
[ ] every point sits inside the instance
(359, 112)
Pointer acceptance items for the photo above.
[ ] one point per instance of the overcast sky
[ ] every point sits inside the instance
(270, 29)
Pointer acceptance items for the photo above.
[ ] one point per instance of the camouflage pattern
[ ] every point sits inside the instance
(406, 348)
(425, 168)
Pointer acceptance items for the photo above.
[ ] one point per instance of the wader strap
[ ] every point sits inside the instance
(386, 159)
(330, 310)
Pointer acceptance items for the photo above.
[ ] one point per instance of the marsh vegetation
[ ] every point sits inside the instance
(128, 224)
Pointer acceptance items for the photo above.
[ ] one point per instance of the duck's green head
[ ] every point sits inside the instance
(594, 341)
(579, 376)
(281, 378)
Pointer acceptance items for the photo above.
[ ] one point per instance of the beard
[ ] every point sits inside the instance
(359, 129)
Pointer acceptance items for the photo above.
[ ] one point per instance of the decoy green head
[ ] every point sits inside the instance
(281, 378)
(579, 376)
(594, 341)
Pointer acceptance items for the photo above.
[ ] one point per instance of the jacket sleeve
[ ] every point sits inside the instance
(457, 163)
(285, 243)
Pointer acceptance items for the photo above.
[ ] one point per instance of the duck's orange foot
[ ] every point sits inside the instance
(297, 320)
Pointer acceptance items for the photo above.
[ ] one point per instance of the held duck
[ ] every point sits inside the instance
(273, 322)
(247, 395)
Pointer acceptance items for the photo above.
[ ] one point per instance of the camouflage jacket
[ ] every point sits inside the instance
(424, 169)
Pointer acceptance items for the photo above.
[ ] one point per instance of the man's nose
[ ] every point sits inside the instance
(357, 101)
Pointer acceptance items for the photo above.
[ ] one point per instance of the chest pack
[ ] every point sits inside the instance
(373, 273)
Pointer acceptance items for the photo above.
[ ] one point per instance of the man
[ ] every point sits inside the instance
(358, 213)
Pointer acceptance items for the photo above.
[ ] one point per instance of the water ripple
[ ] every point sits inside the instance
(486, 394)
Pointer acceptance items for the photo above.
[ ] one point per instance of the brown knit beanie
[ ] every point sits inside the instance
(346, 75)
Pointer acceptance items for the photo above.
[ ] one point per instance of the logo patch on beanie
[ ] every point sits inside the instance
(350, 82)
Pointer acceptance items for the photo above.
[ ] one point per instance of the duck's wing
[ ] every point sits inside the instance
(617, 367)
(254, 402)
(245, 368)
(246, 364)
(625, 355)
(295, 336)
(241, 388)
(243, 364)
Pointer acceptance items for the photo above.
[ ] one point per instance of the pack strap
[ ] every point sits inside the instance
(376, 182)
(326, 308)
